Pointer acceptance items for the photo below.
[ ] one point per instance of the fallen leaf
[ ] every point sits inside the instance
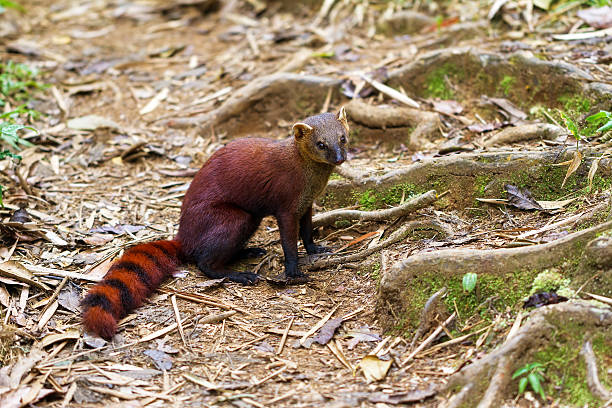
(448, 107)
(161, 360)
(98, 239)
(554, 205)
(374, 369)
(70, 334)
(403, 397)
(573, 166)
(521, 199)
(326, 332)
(361, 334)
(91, 122)
(592, 171)
(598, 17)
(154, 103)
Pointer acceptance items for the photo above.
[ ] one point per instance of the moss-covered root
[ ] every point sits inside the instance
(507, 269)
(568, 322)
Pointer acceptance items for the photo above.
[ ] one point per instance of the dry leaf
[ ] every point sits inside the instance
(592, 172)
(521, 199)
(555, 205)
(573, 166)
(154, 103)
(91, 122)
(374, 369)
(70, 334)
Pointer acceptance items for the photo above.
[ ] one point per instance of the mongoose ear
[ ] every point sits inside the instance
(342, 118)
(301, 130)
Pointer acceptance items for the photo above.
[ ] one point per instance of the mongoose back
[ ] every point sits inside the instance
(241, 183)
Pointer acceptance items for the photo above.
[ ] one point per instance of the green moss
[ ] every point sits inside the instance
(549, 281)
(574, 105)
(335, 176)
(509, 289)
(480, 184)
(565, 368)
(436, 81)
(371, 199)
(506, 84)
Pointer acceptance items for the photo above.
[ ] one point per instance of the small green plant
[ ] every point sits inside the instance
(506, 84)
(532, 373)
(17, 81)
(4, 4)
(469, 281)
(603, 119)
(368, 200)
(571, 126)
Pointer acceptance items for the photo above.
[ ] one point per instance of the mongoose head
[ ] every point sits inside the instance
(323, 138)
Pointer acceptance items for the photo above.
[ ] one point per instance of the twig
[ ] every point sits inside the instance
(337, 352)
(284, 338)
(274, 374)
(177, 315)
(390, 92)
(428, 340)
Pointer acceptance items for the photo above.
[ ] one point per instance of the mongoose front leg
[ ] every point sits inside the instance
(306, 235)
(288, 226)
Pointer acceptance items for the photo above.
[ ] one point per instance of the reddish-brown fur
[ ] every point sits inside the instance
(240, 184)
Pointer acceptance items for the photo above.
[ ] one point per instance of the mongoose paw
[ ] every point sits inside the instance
(282, 280)
(317, 249)
(245, 278)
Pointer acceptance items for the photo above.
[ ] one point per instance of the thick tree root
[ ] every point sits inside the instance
(426, 125)
(595, 386)
(408, 207)
(500, 364)
(263, 96)
(524, 133)
(394, 297)
(458, 173)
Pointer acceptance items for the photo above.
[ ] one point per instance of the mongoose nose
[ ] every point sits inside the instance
(339, 162)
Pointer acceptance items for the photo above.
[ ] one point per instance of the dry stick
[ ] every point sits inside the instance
(337, 352)
(408, 207)
(274, 374)
(178, 321)
(284, 338)
(317, 326)
(55, 295)
(428, 340)
(397, 236)
(207, 300)
(387, 90)
(280, 398)
(451, 342)
(515, 326)
(595, 386)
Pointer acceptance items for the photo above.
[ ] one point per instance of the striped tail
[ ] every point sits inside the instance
(129, 281)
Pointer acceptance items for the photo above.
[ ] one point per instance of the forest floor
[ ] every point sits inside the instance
(95, 185)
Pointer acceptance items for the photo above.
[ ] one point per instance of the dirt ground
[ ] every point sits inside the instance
(98, 188)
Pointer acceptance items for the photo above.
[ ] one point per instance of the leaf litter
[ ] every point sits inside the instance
(102, 190)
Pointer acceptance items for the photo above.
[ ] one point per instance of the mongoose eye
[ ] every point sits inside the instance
(342, 139)
(321, 145)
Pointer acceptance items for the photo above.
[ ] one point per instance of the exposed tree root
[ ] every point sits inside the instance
(599, 251)
(501, 363)
(526, 132)
(283, 89)
(458, 172)
(408, 207)
(398, 235)
(595, 386)
(473, 72)
(457, 262)
(426, 124)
